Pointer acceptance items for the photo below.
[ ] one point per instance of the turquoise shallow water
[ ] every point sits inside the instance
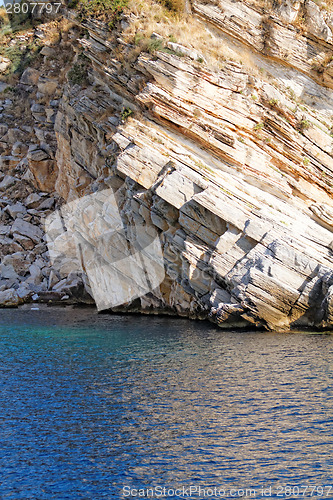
(92, 404)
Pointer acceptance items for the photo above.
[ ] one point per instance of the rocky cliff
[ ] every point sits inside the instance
(214, 125)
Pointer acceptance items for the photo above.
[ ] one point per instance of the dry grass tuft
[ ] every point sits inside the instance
(150, 16)
(329, 5)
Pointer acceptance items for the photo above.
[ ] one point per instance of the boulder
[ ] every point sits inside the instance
(47, 86)
(37, 109)
(16, 210)
(8, 162)
(8, 272)
(18, 261)
(28, 177)
(19, 149)
(288, 10)
(46, 204)
(36, 154)
(30, 77)
(315, 22)
(4, 86)
(60, 286)
(14, 135)
(53, 280)
(45, 174)
(40, 248)
(50, 115)
(25, 242)
(185, 51)
(26, 229)
(3, 129)
(4, 64)
(9, 298)
(24, 292)
(4, 229)
(32, 200)
(38, 112)
(48, 51)
(7, 182)
(35, 275)
(8, 245)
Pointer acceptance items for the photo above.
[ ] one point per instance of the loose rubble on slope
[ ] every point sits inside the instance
(28, 172)
(231, 164)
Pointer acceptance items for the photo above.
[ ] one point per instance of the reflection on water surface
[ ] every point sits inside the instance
(91, 403)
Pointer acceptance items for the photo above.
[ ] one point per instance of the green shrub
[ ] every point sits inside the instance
(259, 126)
(152, 45)
(126, 112)
(7, 90)
(155, 44)
(78, 74)
(96, 6)
(111, 10)
(139, 37)
(303, 125)
(73, 4)
(20, 56)
(292, 94)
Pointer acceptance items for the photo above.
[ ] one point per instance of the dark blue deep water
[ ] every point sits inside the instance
(103, 407)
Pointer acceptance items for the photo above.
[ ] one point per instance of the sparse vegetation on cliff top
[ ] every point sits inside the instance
(109, 11)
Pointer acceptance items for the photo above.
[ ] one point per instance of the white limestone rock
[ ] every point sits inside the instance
(315, 22)
(185, 51)
(9, 298)
(288, 10)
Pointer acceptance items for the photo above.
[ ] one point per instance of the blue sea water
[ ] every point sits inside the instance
(103, 407)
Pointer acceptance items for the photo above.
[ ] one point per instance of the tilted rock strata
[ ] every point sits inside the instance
(233, 201)
(234, 173)
(295, 33)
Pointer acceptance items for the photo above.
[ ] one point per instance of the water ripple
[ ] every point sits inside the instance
(92, 403)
